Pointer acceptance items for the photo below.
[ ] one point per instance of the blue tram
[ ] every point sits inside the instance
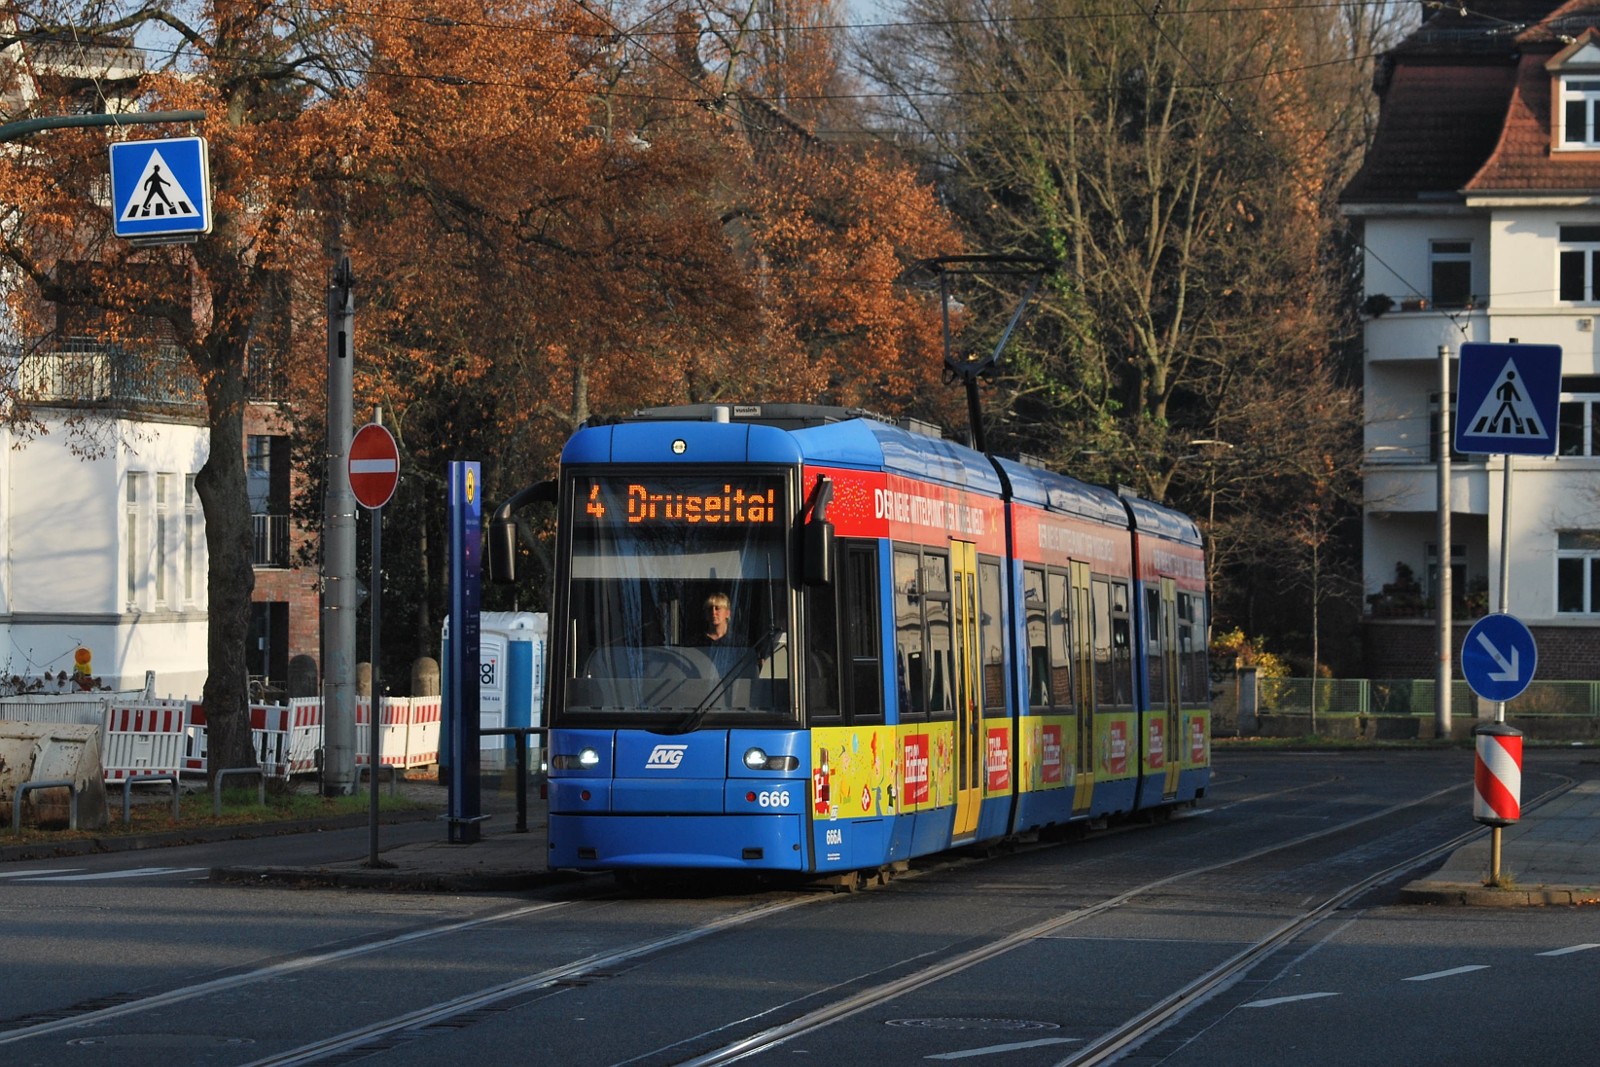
(802, 639)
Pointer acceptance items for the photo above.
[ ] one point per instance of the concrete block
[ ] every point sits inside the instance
(50, 751)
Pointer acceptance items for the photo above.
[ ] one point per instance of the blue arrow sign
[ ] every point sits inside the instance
(1507, 398)
(1498, 657)
(161, 188)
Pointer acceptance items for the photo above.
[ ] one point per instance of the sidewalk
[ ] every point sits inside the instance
(502, 859)
(1550, 856)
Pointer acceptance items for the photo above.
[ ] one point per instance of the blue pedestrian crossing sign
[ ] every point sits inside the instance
(1498, 657)
(1507, 399)
(161, 189)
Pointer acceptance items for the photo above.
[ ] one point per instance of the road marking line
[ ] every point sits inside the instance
(989, 1049)
(1447, 974)
(1273, 1002)
(136, 872)
(1568, 950)
(36, 874)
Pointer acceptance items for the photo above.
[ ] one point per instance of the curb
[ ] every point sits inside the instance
(198, 835)
(377, 878)
(1476, 895)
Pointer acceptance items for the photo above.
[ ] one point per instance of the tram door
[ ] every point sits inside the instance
(1172, 738)
(969, 754)
(1081, 639)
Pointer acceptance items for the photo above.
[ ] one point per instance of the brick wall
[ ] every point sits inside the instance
(297, 588)
(1409, 648)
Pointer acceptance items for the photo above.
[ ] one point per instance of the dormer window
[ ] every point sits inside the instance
(1580, 112)
(1575, 91)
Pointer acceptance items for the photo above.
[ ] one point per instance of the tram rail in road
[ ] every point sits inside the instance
(624, 933)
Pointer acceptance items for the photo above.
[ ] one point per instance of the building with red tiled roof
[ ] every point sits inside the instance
(1478, 206)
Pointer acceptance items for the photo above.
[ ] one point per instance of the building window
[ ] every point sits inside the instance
(163, 531)
(133, 535)
(1450, 265)
(1579, 260)
(1433, 427)
(267, 477)
(1578, 572)
(1578, 433)
(192, 533)
(1580, 113)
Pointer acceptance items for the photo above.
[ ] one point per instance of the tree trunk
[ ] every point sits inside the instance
(230, 545)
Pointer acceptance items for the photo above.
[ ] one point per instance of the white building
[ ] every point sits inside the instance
(104, 554)
(1479, 209)
(102, 540)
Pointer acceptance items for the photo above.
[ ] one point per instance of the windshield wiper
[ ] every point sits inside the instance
(764, 648)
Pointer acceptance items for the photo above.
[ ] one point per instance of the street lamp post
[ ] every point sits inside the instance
(13, 131)
(1211, 444)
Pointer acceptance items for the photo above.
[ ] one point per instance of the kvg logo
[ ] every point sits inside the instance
(665, 757)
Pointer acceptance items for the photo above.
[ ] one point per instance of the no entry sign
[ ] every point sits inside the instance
(374, 465)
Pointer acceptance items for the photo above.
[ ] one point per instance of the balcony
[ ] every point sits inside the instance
(1416, 334)
(88, 372)
(271, 540)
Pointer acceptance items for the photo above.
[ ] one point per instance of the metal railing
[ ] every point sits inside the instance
(271, 540)
(1415, 696)
(89, 371)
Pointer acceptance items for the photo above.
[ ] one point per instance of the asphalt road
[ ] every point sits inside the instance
(1047, 954)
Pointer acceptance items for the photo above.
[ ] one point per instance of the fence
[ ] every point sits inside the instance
(287, 738)
(1398, 708)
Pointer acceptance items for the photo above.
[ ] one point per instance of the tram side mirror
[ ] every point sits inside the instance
(502, 530)
(817, 546)
(816, 539)
(503, 551)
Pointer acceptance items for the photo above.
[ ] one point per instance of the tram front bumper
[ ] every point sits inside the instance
(716, 842)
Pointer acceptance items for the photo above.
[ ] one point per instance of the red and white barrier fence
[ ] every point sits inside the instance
(143, 740)
(286, 738)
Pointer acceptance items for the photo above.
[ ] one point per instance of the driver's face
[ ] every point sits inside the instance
(717, 615)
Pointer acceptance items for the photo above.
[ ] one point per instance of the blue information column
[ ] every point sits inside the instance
(461, 693)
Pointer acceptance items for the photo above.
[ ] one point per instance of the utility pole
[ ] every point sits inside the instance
(339, 600)
(1441, 707)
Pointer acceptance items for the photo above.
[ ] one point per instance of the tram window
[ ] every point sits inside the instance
(935, 584)
(638, 643)
(822, 655)
(908, 638)
(1037, 612)
(1194, 679)
(1112, 653)
(991, 635)
(1155, 660)
(862, 635)
(1060, 659)
(1101, 592)
(1121, 645)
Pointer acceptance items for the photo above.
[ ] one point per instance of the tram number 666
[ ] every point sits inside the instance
(773, 798)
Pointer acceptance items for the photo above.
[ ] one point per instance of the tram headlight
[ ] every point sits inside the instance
(757, 760)
(585, 759)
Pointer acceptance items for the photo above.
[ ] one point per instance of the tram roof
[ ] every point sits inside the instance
(868, 444)
(1061, 493)
(1156, 520)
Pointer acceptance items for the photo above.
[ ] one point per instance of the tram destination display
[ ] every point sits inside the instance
(663, 501)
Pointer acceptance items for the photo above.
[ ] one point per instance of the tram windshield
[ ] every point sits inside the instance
(678, 601)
